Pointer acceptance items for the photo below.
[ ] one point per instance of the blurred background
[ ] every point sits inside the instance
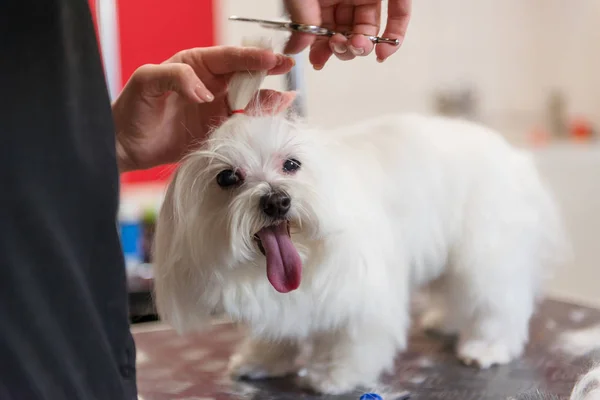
(526, 68)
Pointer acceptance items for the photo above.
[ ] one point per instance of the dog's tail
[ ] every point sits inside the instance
(244, 86)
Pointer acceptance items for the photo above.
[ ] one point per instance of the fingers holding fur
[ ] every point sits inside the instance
(214, 66)
(158, 80)
(283, 66)
(223, 60)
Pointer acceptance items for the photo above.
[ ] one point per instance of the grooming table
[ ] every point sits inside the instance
(561, 348)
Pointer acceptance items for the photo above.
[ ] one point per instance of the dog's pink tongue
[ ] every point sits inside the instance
(284, 267)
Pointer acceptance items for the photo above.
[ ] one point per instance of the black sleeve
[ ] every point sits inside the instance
(64, 327)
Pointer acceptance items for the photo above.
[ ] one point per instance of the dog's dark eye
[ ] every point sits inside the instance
(291, 165)
(228, 178)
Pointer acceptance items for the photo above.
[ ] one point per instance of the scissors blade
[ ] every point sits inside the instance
(310, 29)
(281, 25)
(286, 25)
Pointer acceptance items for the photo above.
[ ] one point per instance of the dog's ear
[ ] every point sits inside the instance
(270, 102)
(178, 283)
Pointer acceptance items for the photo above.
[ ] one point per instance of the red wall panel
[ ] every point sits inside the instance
(151, 31)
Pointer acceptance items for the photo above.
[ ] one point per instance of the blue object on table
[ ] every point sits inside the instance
(370, 396)
(131, 232)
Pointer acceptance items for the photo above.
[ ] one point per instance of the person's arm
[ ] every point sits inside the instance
(166, 110)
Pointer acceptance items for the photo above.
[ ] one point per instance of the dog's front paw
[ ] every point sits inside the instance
(335, 382)
(243, 367)
(484, 354)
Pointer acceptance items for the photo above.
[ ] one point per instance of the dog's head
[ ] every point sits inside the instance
(255, 187)
(254, 200)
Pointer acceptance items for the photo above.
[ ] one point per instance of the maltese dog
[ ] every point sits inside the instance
(318, 238)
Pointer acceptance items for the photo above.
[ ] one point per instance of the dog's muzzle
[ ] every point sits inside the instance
(276, 204)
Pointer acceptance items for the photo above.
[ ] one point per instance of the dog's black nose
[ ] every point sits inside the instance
(275, 204)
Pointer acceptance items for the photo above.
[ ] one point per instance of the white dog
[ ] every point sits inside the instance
(320, 237)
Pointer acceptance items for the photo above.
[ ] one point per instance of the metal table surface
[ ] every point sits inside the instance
(565, 341)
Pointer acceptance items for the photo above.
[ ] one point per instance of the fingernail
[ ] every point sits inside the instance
(293, 61)
(318, 67)
(203, 94)
(279, 60)
(339, 48)
(380, 60)
(356, 50)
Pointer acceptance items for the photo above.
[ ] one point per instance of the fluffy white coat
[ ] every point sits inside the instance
(378, 210)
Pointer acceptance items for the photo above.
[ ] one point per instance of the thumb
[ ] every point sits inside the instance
(157, 80)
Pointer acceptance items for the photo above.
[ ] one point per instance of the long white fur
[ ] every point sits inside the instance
(379, 209)
(243, 86)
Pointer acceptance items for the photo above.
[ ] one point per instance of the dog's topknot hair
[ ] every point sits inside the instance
(245, 85)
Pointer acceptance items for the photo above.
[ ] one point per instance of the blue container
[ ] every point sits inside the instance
(131, 234)
(131, 230)
(370, 396)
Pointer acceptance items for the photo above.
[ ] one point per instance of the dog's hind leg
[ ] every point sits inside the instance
(510, 239)
(497, 306)
(495, 281)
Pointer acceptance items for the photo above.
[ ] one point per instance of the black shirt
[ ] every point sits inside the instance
(64, 328)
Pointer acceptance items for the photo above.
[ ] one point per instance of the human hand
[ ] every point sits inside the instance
(166, 110)
(356, 16)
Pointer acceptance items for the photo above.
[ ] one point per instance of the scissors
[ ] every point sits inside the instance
(311, 29)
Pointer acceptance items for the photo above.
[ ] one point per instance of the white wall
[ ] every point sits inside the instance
(573, 172)
(512, 51)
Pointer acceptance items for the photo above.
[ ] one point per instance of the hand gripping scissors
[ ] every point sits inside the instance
(310, 29)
